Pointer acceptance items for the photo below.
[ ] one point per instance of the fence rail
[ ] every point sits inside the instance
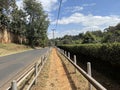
(34, 69)
(88, 76)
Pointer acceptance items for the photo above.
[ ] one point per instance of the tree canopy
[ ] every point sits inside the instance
(31, 22)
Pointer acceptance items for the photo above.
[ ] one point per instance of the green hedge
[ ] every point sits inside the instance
(102, 52)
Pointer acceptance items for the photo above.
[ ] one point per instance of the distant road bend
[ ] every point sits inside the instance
(10, 65)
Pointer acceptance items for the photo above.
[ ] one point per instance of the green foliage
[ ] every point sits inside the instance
(38, 23)
(18, 22)
(4, 4)
(31, 23)
(3, 21)
(112, 34)
(88, 38)
(4, 10)
(105, 58)
(104, 52)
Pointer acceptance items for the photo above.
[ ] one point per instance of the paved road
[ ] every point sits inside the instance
(11, 64)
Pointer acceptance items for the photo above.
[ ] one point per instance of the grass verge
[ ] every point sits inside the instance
(6, 49)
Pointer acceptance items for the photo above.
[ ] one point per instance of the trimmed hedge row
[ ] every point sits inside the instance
(103, 52)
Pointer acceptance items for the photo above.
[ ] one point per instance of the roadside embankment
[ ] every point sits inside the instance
(6, 49)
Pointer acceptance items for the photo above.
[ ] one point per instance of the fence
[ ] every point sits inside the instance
(34, 70)
(87, 74)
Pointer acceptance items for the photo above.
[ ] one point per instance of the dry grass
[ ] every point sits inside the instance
(43, 77)
(60, 75)
(78, 82)
(6, 49)
(54, 76)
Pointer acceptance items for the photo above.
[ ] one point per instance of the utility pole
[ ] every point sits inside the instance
(53, 37)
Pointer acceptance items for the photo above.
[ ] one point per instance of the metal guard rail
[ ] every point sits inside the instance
(30, 70)
(96, 84)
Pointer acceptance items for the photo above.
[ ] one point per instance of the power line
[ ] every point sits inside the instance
(53, 37)
(56, 22)
(58, 13)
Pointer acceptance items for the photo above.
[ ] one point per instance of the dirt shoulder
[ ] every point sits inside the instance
(56, 76)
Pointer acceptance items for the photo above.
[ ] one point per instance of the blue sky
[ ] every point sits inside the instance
(78, 16)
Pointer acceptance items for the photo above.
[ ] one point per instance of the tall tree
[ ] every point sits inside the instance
(18, 22)
(89, 38)
(4, 6)
(37, 22)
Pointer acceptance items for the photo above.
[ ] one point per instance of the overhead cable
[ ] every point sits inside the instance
(58, 14)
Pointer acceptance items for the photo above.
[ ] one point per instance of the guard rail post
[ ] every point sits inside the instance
(89, 72)
(61, 50)
(69, 55)
(36, 71)
(41, 60)
(14, 85)
(75, 62)
(65, 53)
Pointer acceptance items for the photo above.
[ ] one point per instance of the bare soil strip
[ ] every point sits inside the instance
(59, 75)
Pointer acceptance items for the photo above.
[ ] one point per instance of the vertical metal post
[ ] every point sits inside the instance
(47, 54)
(36, 71)
(44, 57)
(62, 51)
(75, 62)
(14, 85)
(69, 55)
(65, 53)
(89, 72)
(41, 60)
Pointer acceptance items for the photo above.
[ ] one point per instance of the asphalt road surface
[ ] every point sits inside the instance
(11, 64)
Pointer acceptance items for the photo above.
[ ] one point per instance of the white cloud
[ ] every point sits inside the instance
(90, 28)
(89, 5)
(49, 5)
(77, 8)
(89, 20)
(63, 1)
(74, 9)
(63, 33)
(72, 31)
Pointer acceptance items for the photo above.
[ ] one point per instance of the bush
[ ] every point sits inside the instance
(103, 52)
